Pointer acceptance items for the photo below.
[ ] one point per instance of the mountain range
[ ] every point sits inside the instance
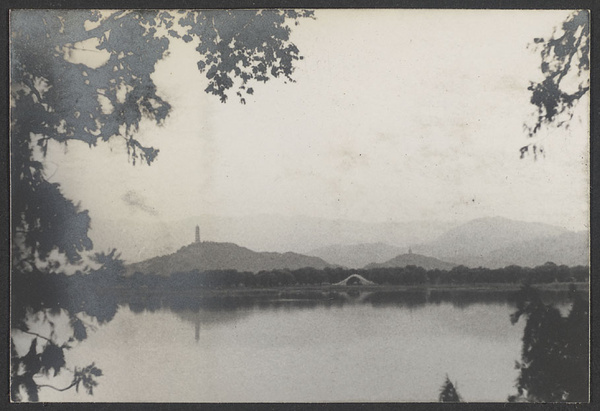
(570, 249)
(138, 239)
(488, 242)
(497, 242)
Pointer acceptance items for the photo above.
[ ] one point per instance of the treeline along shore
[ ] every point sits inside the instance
(408, 276)
(112, 280)
(99, 293)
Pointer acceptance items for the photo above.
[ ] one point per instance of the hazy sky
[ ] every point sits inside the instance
(396, 115)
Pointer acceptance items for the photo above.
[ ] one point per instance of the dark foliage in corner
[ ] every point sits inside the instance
(57, 98)
(565, 66)
(554, 365)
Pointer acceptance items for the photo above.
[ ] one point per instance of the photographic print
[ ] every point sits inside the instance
(349, 205)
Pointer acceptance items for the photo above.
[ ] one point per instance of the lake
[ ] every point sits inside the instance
(355, 346)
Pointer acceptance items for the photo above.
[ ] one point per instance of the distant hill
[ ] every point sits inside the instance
(221, 256)
(428, 263)
(570, 249)
(483, 235)
(139, 239)
(488, 242)
(498, 242)
(356, 255)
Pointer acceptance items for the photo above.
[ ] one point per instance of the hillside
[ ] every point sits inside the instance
(428, 263)
(221, 256)
(356, 255)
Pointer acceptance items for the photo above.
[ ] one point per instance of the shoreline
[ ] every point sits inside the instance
(328, 288)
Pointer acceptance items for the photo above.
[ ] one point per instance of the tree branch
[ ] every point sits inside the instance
(74, 383)
(37, 335)
(562, 73)
(33, 89)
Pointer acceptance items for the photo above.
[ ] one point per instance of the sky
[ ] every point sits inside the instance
(395, 115)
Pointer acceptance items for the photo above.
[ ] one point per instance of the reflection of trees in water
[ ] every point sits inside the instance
(59, 295)
(54, 311)
(151, 301)
(202, 310)
(204, 307)
(458, 298)
(297, 299)
(207, 318)
(554, 365)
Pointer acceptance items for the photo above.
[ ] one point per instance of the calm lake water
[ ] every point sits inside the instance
(361, 347)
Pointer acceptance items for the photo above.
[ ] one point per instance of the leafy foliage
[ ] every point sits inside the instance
(52, 358)
(554, 364)
(86, 377)
(56, 97)
(565, 66)
(63, 100)
(247, 44)
(38, 298)
(448, 392)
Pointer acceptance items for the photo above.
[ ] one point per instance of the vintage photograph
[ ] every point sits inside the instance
(331, 205)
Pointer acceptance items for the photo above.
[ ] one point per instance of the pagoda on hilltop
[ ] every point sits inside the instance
(197, 234)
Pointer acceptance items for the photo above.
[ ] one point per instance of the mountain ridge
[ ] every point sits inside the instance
(140, 239)
(570, 248)
(356, 255)
(488, 242)
(482, 235)
(495, 242)
(208, 255)
(403, 260)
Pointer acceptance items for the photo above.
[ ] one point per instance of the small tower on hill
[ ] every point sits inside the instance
(409, 250)
(197, 234)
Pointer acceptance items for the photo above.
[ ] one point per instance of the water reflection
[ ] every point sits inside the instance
(331, 347)
(147, 301)
(205, 311)
(306, 345)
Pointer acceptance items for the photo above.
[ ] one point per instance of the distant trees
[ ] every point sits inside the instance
(565, 65)
(409, 275)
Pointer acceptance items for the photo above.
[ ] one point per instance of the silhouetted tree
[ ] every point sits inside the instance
(554, 362)
(565, 66)
(56, 98)
(44, 298)
(448, 392)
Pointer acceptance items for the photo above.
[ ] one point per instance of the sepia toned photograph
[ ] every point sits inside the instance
(307, 206)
